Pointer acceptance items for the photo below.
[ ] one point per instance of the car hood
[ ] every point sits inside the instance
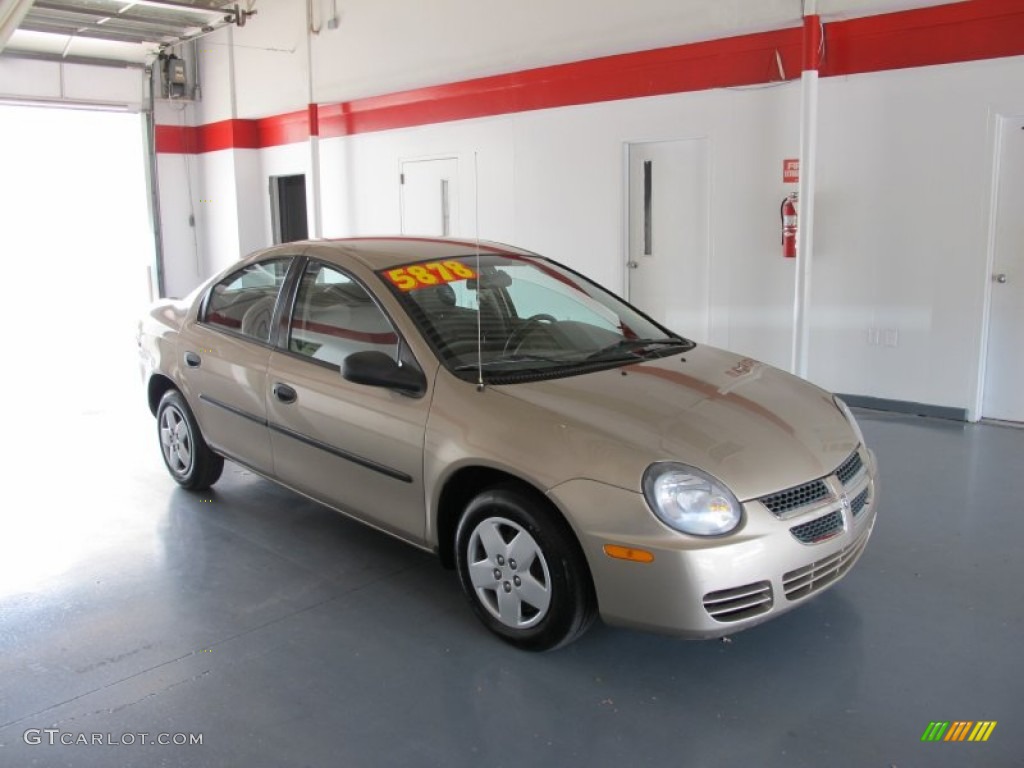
(754, 427)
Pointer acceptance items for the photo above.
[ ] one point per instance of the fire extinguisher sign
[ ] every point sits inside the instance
(791, 170)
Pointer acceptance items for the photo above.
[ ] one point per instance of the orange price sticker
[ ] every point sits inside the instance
(425, 275)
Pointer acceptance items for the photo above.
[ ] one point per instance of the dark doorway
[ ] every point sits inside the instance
(288, 204)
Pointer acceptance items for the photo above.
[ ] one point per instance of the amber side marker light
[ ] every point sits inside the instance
(628, 553)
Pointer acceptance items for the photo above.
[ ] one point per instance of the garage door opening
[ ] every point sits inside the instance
(77, 243)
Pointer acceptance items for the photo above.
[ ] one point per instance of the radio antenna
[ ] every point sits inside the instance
(479, 278)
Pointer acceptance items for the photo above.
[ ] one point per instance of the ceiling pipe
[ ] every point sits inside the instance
(314, 127)
(157, 281)
(813, 42)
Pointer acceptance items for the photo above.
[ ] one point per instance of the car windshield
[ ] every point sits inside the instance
(519, 317)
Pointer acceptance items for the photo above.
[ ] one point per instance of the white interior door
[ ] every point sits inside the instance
(430, 201)
(1004, 360)
(669, 250)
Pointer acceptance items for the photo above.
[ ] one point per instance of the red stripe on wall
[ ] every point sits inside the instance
(313, 119)
(226, 134)
(234, 134)
(812, 42)
(285, 129)
(965, 31)
(743, 60)
(175, 139)
(942, 34)
(229, 134)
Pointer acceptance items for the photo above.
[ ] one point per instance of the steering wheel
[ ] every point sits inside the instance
(519, 335)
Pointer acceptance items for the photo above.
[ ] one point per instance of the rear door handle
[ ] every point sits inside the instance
(284, 393)
(192, 360)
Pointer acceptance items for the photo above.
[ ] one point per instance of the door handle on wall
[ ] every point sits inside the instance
(284, 393)
(1000, 278)
(446, 216)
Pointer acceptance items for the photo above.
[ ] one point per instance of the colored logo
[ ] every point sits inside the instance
(958, 730)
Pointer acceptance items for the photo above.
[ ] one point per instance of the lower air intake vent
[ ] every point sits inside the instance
(822, 529)
(740, 602)
(809, 579)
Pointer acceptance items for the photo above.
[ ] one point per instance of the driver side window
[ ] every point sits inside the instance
(334, 316)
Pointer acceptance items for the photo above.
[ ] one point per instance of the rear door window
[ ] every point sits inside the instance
(244, 301)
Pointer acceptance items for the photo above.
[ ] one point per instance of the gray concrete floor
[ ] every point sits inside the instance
(287, 635)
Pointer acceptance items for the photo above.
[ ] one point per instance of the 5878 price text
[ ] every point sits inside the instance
(434, 273)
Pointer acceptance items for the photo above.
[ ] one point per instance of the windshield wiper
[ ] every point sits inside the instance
(630, 346)
(509, 359)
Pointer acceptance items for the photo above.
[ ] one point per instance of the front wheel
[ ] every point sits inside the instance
(522, 570)
(188, 458)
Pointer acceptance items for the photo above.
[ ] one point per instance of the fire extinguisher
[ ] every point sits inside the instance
(789, 224)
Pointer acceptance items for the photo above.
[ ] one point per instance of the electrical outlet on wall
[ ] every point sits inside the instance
(891, 337)
(874, 336)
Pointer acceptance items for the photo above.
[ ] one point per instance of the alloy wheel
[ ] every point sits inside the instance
(175, 440)
(509, 573)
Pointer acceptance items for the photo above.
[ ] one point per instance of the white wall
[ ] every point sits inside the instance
(903, 197)
(182, 267)
(217, 97)
(905, 170)
(271, 60)
(553, 181)
(905, 167)
(383, 47)
(178, 179)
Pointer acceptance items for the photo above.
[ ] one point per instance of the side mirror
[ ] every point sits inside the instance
(375, 369)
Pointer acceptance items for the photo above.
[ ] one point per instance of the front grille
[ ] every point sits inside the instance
(739, 603)
(858, 504)
(849, 468)
(819, 530)
(809, 579)
(803, 495)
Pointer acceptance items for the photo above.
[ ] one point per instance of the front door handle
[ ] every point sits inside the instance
(284, 393)
(192, 360)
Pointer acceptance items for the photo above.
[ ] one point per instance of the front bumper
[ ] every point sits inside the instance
(698, 587)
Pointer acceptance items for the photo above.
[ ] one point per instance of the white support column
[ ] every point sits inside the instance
(314, 129)
(314, 170)
(812, 41)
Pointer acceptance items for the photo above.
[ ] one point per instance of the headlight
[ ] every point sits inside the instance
(689, 500)
(849, 417)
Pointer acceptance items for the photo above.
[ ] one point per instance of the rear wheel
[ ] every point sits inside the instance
(522, 570)
(188, 458)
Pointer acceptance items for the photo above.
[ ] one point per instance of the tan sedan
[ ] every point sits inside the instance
(567, 454)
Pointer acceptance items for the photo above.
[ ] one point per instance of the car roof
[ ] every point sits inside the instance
(378, 253)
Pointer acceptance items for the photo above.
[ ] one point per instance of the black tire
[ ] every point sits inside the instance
(187, 456)
(556, 574)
